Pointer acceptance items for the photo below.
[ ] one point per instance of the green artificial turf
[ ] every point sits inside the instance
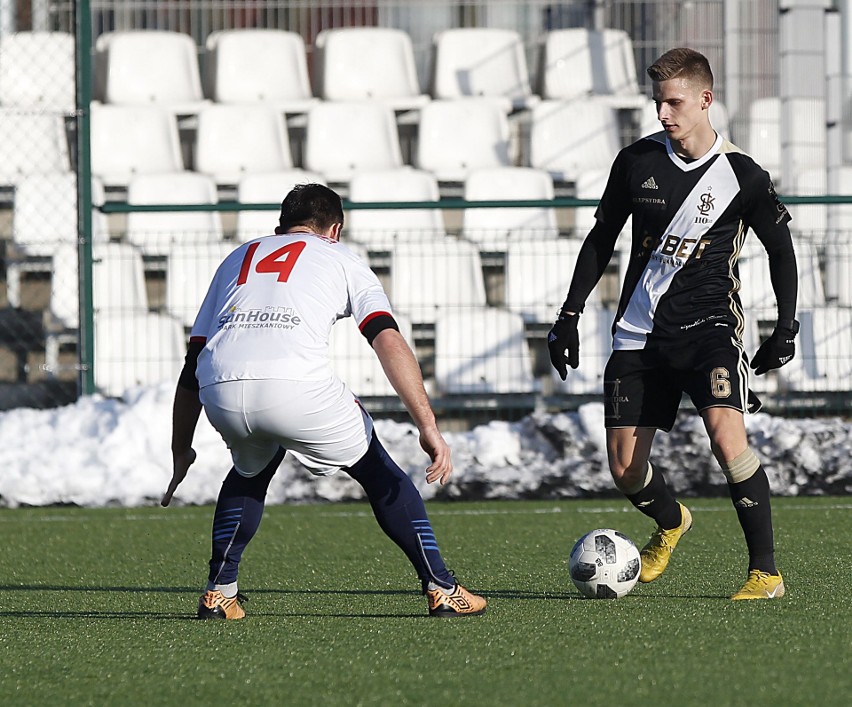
(98, 605)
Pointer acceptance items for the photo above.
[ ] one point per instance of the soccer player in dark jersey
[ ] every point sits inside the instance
(679, 323)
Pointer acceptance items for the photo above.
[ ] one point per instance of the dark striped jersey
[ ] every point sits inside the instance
(690, 220)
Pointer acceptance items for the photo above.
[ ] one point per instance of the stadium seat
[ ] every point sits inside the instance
(37, 71)
(482, 350)
(538, 273)
(154, 232)
(368, 63)
(457, 136)
(145, 67)
(380, 229)
(267, 188)
(235, 140)
(756, 293)
(822, 361)
(595, 330)
(45, 216)
(495, 228)
(132, 140)
(139, 349)
(810, 221)
(568, 138)
(429, 278)
(266, 66)
(838, 267)
(482, 62)
(31, 143)
(354, 360)
(807, 132)
(190, 268)
(583, 64)
(118, 282)
(347, 137)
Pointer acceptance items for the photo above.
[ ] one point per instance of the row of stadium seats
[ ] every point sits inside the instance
(360, 63)
(477, 350)
(340, 140)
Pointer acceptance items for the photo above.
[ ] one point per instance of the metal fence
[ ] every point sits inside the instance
(145, 267)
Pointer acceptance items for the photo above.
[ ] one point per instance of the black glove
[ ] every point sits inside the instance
(778, 349)
(564, 339)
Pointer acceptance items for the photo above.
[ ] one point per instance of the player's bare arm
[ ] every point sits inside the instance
(404, 374)
(185, 413)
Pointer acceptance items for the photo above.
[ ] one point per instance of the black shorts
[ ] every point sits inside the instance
(643, 388)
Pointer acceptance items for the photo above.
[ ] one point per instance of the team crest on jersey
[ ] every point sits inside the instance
(706, 203)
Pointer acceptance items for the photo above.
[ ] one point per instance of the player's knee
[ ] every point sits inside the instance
(630, 477)
(740, 468)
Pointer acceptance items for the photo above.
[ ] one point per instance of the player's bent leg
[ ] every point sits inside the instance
(237, 518)
(401, 513)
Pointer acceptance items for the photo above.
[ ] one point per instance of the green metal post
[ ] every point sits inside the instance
(86, 336)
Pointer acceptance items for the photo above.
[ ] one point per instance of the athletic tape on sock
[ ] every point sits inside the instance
(741, 468)
(649, 474)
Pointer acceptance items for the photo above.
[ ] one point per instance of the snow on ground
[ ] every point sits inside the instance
(108, 452)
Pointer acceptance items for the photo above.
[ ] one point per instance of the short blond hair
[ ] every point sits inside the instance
(682, 62)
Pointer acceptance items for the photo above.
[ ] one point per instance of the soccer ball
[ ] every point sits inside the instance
(604, 564)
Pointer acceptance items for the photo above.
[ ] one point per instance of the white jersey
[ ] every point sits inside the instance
(271, 305)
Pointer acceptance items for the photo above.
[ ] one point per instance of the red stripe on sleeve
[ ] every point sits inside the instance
(372, 316)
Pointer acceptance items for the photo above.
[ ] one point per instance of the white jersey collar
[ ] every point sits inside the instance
(695, 164)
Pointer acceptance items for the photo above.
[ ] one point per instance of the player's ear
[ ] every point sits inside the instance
(334, 231)
(706, 99)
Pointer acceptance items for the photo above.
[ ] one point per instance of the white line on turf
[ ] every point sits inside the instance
(433, 511)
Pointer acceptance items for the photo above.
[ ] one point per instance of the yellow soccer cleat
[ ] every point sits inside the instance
(215, 605)
(458, 602)
(658, 550)
(761, 585)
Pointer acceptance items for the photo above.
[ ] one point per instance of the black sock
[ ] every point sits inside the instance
(657, 502)
(400, 511)
(237, 518)
(751, 501)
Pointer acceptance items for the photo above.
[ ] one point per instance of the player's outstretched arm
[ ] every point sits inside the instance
(185, 413)
(403, 372)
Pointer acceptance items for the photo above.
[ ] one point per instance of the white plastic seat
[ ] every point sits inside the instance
(37, 71)
(140, 349)
(235, 140)
(380, 229)
(811, 220)
(346, 137)
(369, 63)
(756, 293)
(31, 143)
(838, 267)
(494, 228)
(44, 217)
(579, 64)
(267, 188)
(568, 138)
(822, 361)
(482, 62)
(429, 278)
(595, 329)
(118, 282)
(190, 268)
(131, 140)
(482, 350)
(457, 136)
(354, 360)
(144, 67)
(538, 273)
(154, 232)
(266, 66)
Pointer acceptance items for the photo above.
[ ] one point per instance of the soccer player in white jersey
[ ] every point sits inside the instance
(678, 328)
(257, 362)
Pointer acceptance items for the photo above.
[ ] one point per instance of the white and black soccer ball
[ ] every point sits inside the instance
(604, 564)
